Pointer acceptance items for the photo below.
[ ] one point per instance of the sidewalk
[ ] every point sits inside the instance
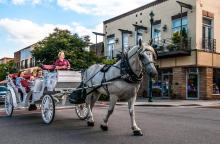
(175, 103)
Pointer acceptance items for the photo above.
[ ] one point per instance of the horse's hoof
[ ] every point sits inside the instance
(137, 133)
(104, 128)
(90, 124)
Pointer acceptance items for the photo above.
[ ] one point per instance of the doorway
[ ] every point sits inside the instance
(167, 79)
(192, 83)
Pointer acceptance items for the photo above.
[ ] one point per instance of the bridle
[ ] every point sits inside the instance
(140, 54)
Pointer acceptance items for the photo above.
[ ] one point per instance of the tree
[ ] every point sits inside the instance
(46, 51)
(6, 69)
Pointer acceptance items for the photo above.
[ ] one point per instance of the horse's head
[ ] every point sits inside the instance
(148, 55)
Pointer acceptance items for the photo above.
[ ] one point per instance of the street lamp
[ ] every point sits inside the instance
(151, 24)
(151, 42)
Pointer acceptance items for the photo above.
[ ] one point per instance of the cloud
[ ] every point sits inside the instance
(18, 2)
(83, 31)
(25, 32)
(34, 2)
(101, 7)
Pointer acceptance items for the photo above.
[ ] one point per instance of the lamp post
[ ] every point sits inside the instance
(151, 42)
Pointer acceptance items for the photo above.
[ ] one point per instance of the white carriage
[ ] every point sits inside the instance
(52, 89)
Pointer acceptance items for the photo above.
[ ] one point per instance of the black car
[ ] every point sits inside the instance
(3, 92)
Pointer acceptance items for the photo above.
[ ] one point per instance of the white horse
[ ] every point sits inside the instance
(119, 88)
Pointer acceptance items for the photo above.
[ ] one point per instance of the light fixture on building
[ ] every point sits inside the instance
(164, 28)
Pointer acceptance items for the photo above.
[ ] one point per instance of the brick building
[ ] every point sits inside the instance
(24, 59)
(5, 60)
(189, 68)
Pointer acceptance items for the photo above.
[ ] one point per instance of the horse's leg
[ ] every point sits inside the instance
(134, 127)
(90, 101)
(113, 100)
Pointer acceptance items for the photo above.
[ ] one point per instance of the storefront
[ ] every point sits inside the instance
(192, 83)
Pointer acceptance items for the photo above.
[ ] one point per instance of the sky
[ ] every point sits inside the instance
(25, 22)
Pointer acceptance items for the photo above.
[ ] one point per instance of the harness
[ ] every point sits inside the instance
(126, 74)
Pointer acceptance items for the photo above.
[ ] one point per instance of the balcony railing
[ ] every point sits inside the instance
(209, 45)
(167, 48)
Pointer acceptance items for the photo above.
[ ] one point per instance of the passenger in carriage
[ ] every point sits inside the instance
(21, 85)
(61, 63)
(39, 74)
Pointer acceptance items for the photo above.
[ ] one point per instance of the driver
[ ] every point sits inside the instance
(61, 63)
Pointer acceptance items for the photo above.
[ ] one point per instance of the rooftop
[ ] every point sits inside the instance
(156, 2)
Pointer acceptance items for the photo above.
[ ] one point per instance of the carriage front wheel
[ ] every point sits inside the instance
(9, 107)
(82, 111)
(48, 109)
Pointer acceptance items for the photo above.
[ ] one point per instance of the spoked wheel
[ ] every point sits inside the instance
(48, 109)
(82, 111)
(9, 107)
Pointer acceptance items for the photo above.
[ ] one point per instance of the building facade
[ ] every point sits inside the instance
(24, 59)
(5, 60)
(187, 43)
(97, 49)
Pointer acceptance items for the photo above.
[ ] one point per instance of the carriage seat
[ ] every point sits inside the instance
(38, 85)
(68, 79)
(48, 67)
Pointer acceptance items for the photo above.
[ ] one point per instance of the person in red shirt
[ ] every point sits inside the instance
(61, 63)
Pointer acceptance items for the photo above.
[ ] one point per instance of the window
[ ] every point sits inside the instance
(139, 36)
(110, 46)
(156, 34)
(176, 24)
(207, 28)
(125, 41)
(22, 64)
(26, 63)
(207, 34)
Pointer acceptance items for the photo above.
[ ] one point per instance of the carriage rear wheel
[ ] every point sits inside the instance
(48, 109)
(9, 107)
(82, 111)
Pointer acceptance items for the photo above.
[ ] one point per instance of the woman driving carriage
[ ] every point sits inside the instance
(61, 63)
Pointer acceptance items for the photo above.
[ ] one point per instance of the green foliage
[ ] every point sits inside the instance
(5, 69)
(109, 61)
(46, 51)
(176, 38)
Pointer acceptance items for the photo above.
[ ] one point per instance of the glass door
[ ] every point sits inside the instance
(192, 85)
(167, 80)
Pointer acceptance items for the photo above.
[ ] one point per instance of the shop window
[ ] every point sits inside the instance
(216, 81)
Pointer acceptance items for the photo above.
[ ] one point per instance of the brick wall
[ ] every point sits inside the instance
(179, 83)
(206, 83)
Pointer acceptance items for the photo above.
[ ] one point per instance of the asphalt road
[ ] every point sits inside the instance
(160, 126)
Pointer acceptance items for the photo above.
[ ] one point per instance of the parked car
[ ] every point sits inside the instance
(3, 91)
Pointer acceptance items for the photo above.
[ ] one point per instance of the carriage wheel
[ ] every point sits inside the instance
(82, 111)
(9, 107)
(48, 109)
